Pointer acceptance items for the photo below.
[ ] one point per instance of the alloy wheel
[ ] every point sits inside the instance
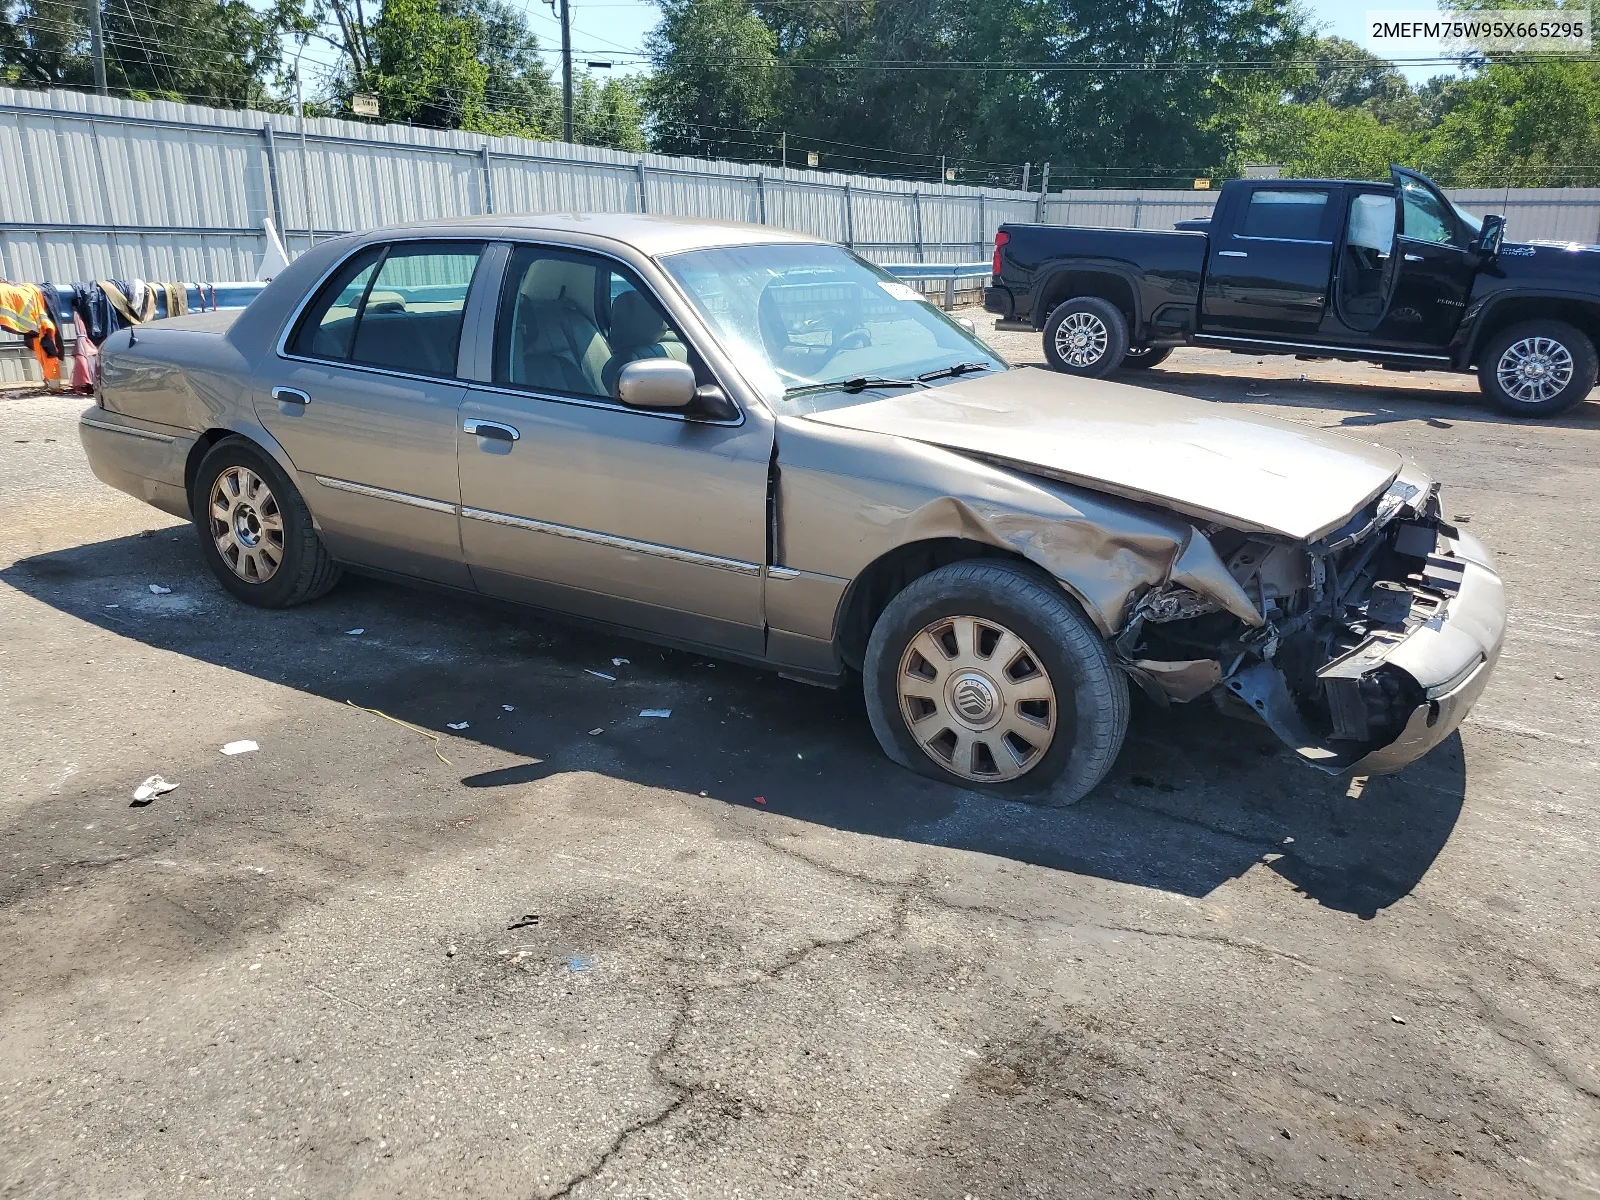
(1081, 339)
(1534, 370)
(246, 524)
(976, 699)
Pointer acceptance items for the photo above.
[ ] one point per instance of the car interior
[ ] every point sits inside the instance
(1367, 259)
(575, 323)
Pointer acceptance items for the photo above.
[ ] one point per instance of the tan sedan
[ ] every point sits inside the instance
(756, 444)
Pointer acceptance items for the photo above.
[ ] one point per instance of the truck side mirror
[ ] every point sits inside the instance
(1491, 235)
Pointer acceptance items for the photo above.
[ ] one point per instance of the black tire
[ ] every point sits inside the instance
(1103, 325)
(1143, 358)
(1091, 696)
(304, 570)
(1569, 347)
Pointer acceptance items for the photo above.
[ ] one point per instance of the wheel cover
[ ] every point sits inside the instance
(976, 699)
(246, 524)
(1534, 370)
(1081, 339)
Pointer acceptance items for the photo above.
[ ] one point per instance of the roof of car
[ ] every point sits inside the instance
(652, 235)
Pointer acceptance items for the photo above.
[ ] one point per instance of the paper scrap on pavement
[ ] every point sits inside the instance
(600, 675)
(151, 788)
(456, 724)
(157, 590)
(655, 712)
(357, 632)
(241, 747)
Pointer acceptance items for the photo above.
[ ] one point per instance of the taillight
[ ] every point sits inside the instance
(1000, 239)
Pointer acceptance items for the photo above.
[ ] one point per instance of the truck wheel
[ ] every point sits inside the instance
(985, 675)
(1086, 336)
(255, 530)
(1143, 358)
(1537, 368)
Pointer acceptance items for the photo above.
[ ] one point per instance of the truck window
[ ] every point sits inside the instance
(1295, 215)
(1425, 218)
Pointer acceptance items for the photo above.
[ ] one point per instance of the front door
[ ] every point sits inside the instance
(1267, 276)
(364, 398)
(1435, 264)
(572, 501)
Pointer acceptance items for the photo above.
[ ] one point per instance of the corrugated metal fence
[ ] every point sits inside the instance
(96, 187)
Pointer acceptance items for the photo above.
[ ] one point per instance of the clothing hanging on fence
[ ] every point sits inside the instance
(25, 309)
(85, 356)
(131, 313)
(91, 306)
(177, 298)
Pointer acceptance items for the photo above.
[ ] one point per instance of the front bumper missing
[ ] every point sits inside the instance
(1450, 656)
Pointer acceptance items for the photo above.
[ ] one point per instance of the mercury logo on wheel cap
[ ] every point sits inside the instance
(974, 700)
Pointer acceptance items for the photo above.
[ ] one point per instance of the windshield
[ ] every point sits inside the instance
(798, 318)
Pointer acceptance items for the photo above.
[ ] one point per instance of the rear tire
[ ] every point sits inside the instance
(998, 638)
(1143, 358)
(1537, 368)
(255, 530)
(1086, 336)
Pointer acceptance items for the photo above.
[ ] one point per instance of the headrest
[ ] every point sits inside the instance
(635, 321)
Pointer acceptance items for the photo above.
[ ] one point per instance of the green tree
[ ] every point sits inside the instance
(610, 113)
(716, 77)
(1528, 125)
(217, 52)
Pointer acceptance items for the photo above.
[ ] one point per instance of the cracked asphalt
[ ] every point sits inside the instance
(734, 952)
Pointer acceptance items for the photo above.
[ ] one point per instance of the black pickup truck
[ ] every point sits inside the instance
(1392, 274)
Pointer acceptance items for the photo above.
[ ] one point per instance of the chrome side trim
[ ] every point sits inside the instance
(607, 405)
(377, 493)
(1355, 351)
(473, 425)
(693, 557)
(138, 433)
(1255, 237)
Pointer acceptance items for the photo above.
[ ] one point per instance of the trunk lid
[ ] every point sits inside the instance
(1254, 473)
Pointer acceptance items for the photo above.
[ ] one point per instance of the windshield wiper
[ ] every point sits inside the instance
(858, 384)
(960, 368)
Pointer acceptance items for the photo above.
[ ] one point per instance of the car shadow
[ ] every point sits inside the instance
(1196, 798)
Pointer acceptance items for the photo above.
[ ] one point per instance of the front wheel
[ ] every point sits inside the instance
(986, 675)
(255, 530)
(1086, 336)
(1537, 368)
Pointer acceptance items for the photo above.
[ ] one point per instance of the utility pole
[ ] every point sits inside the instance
(97, 47)
(941, 168)
(566, 69)
(305, 156)
(1027, 170)
(784, 151)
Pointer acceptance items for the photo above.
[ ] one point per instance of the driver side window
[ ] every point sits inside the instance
(1424, 217)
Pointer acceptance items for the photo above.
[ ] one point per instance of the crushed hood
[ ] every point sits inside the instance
(1253, 473)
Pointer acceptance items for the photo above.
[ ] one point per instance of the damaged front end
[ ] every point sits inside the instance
(1362, 650)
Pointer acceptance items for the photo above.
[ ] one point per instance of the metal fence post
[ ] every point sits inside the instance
(644, 203)
(983, 227)
(1138, 207)
(488, 183)
(1044, 194)
(949, 292)
(922, 251)
(761, 196)
(849, 218)
(272, 177)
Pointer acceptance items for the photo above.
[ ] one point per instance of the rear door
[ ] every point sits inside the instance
(1433, 270)
(1267, 274)
(364, 400)
(570, 500)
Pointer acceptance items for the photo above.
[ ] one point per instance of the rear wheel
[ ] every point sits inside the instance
(255, 530)
(1142, 358)
(986, 675)
(1537, 368)
(1086, 336)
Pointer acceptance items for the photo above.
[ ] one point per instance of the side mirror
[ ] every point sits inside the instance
(1491, 235)
(656, 383)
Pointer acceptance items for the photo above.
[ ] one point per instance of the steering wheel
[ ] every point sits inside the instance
(854, 339)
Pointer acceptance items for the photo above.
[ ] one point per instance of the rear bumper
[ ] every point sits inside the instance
(998, 300)
(1451, 659)
(146, 461)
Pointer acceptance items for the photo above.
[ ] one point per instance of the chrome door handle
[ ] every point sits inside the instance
(491, 429)
(1232, 254)
(289, 395)
(1413, 258)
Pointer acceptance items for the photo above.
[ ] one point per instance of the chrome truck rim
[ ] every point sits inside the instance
(1534, 370)
(246, 524)
(1081, 339)
(975, 698)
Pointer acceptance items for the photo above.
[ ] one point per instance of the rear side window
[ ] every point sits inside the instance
(398, 307)
(1296, 215)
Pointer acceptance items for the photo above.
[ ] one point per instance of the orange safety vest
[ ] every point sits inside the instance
(24, 310)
